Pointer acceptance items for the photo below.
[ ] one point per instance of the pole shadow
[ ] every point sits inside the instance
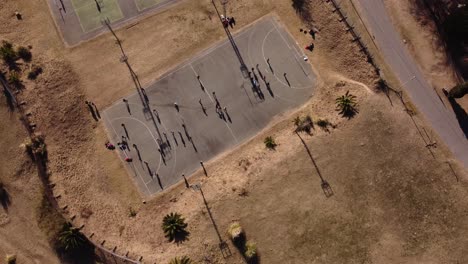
(327, 190)
(223, 246)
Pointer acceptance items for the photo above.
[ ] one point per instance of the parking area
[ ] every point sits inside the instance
(166, 141)
(80, 20)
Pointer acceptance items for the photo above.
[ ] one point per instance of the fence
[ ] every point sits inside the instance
(356, 37)
(105, 255)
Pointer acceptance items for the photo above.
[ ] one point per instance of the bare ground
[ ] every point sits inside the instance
(20, 230)
(393, 202)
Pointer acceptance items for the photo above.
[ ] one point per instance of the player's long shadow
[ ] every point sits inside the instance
(224, 247)
(327, 190)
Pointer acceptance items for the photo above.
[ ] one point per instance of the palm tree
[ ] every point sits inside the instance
(270, 143)
(182, 260)
(297, 121)
(347, 105)
(71, 238)
(174, 227)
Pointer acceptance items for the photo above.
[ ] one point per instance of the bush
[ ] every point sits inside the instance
(24, 53)
(182, 260)
(174, 227)
(324, 124)
(304, 125)
(36, 146)
(70, 238)
(236, 233)
(7, 53)
(10, 259)
(347, 105)
(132, 212)
(14, 79)
(270, 143)
(458, 91)
(73, 246)
(35, 71)
(250, 250)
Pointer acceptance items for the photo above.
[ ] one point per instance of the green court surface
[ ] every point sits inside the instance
(89, 15)
(144, 4)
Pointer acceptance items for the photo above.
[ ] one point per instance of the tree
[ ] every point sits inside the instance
(458, 91)
(182, 260)
(174, 227)
(24, 53)
(270, 143)
(7, 53)
(304, 125)
(347, 105)
(70, 238)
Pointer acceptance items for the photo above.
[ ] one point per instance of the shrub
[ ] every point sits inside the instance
(14, 79)
(10, 259)
(250, 250)
(235, 232)
(7, 53)
(347, 105)
(174, 227)
(458, 91)
(324, 124)
(132, 212)
(36, 146)
(35, 71)
(70, 238)
(303, 125)
(270, 143)
(24, 53)
(182, 260)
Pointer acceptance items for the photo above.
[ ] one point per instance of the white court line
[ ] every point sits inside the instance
(115, 132)
(276, 77)
(274, 24)
(149, 130)
(212, 101)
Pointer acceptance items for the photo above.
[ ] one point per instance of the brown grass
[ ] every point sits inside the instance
(392, 201)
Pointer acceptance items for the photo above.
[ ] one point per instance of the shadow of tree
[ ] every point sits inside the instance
(461, 115)
(302, 9)
(4, 197)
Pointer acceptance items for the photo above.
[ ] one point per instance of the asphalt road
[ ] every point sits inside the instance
(390, 44)
(189, 135)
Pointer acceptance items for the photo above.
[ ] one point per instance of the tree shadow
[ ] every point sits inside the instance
(327, 190)
(452, 35)
(5, 199)
(302, 9)
(181, 237)
(461, 115)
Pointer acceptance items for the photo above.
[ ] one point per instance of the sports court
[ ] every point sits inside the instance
(91, 12)
(165, 143)
(80, 20)
(144, 4)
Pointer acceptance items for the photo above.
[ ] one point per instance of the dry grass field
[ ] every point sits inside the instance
(393, 201)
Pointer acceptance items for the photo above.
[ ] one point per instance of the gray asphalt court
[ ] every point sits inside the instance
(174, 142)
(81, 20)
